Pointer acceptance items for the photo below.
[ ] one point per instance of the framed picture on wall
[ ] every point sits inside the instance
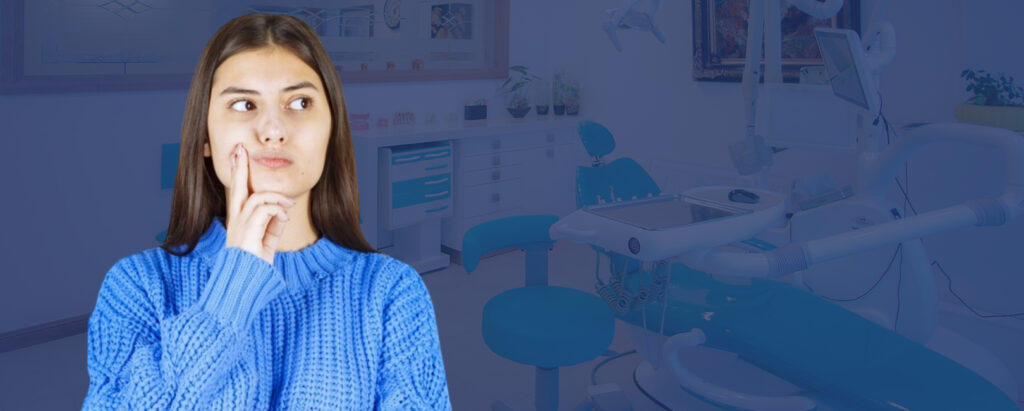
(109, 45)
(720, 38)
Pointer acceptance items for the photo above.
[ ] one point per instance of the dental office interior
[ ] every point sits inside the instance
(663, 228)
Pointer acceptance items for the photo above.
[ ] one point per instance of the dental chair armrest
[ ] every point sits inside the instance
(718, 394)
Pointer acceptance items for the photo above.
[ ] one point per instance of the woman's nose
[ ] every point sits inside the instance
(271, 127)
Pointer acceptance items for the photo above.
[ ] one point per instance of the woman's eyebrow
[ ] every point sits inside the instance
(238, 90)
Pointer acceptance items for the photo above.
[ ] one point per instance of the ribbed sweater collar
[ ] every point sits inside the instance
(301, 268)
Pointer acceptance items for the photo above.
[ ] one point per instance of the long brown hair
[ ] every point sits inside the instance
(199, 195)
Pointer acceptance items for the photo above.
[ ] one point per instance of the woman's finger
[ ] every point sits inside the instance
(259, 222)
(273, 235)
(264, 197)
(239, 182)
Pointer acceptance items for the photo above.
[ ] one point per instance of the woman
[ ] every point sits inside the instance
(264, 294)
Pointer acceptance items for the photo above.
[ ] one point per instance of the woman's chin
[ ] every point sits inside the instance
(273, 186)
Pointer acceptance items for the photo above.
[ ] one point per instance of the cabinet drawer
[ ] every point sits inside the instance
(489, 198)
(518, 141)
(484, 161)
(420, 190)
(491, 175)
(514, 157)
(418, 164)
(401, 217)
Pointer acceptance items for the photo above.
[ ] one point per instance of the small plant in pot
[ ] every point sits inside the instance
(572, 98)
(996, 102)
(516, 91)
(566, 94)
(558, 93)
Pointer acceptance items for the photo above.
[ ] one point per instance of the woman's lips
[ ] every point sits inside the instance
(271, 162)
(272, 159)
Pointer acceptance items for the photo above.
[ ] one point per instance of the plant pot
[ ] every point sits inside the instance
(572, 110)
(1011, 118)
(519, 112)
(559, 109)
(477, 112)
(542, 110)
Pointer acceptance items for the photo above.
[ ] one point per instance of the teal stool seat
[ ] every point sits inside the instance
(547, 326)
(540, 325)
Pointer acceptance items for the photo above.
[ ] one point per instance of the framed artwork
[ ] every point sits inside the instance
(108, 45)
(720, 38)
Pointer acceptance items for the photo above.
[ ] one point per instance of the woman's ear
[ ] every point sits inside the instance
(206, 149)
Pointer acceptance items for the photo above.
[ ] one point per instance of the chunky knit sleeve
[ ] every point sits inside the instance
(412, 373)
(138, 360)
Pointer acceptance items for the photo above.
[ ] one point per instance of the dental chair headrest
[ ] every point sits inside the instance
(596, 138)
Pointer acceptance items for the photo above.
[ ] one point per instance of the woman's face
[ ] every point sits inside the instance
(275, 105)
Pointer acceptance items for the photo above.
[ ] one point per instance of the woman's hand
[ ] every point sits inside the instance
(255, 222)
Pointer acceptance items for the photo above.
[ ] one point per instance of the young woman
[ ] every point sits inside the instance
(264, 294)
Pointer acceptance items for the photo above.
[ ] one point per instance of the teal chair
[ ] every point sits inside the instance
(622, 179)
(540, 325)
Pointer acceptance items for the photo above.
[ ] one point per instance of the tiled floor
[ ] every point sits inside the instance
(52, 376)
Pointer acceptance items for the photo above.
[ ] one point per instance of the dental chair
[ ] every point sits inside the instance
(540, 325)
(825, 355)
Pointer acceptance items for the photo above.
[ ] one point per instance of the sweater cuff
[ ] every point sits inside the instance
(240, 285)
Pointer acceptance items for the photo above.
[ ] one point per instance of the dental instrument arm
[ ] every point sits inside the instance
(796, 257)
(752, 155)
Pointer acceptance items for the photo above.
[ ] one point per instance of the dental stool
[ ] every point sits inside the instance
(539, 325)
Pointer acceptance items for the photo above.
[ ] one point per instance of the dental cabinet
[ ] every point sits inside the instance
(421, 188)
(418, 186)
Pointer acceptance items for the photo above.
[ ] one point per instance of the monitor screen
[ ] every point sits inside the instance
(842, 69)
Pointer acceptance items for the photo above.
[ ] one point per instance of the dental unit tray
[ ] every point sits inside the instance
(658, 228)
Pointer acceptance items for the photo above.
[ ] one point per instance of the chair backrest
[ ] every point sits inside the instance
(596, 139)
(622, 178)
(526, 231)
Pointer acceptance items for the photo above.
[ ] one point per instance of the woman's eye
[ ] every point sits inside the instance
(300, 103)
(243, 105)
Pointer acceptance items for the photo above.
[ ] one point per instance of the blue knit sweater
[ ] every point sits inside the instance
(325, 327)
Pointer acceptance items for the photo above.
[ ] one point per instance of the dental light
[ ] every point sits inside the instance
(626, 17)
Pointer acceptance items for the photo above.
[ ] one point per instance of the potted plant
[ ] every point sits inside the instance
(572, 97)
(996, 102)
(542, 95)
(558, 93)
(516, 91)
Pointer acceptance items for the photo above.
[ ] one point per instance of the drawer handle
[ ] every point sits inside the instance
(438, 181)
(436, 194)
(551, 153)
(434, 210)
(551, 138)
(436, 167)
(496, 144)
(436, 155)
(496, 161)
(496, 197)
(495, 176)
(406, 160)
